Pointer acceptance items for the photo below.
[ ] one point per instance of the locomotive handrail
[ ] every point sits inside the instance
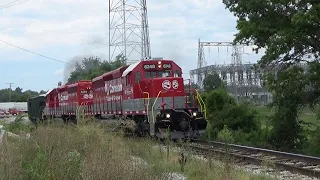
(154, 103)
(204, 109)
(148, 101)
(147, 94)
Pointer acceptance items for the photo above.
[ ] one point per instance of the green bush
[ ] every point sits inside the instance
(223, 110)
(225, 135)
(313, 143)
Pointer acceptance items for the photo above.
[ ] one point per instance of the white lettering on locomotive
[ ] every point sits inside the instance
(109, 88)
(63, 97)
(116, 88)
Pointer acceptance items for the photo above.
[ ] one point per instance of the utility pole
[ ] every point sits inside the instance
(10, 91)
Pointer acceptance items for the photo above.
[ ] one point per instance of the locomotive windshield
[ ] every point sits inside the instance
(155, 74)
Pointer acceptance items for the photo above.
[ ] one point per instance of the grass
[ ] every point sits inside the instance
(307, 115)
(91, 151)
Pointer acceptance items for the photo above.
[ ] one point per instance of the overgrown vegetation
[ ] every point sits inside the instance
(91, 151)
(224, 110)
(19, 125)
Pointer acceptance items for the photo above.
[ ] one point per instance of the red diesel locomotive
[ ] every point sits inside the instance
(151, 93)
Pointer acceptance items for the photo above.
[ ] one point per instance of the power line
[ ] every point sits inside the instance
(9, 3)
(12, 4)
(34, 52)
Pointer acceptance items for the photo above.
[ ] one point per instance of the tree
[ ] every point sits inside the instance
(289, 96)
(287, 29)
(289, 32)
(93, 67)
(212, 82)
(18, 90)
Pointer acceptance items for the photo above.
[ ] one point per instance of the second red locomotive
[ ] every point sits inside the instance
(151, 93)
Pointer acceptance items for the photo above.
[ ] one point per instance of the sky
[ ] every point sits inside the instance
(68, 30)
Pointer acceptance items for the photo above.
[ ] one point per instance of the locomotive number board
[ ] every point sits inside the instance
(154, 66)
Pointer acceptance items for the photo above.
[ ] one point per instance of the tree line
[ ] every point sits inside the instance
(17, 95)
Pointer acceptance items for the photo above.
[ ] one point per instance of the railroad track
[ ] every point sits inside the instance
(295, 163)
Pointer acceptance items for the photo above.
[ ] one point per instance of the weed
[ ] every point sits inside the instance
(56, 151)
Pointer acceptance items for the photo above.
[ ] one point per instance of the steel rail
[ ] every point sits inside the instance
(283, 160)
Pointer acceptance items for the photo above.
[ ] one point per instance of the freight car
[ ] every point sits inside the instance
(36, 105)
(149, 93)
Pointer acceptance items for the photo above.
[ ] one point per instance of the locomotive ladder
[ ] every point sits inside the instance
(147, 106)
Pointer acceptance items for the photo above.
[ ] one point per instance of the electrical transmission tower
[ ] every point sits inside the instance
(129, 30)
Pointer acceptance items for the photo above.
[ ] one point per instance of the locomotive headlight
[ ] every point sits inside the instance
(159, 62)
(167, 116)
(194, 114)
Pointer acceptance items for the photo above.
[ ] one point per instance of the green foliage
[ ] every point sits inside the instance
(293, 38)
(288, 89)
(296, 27)
(212, 82)
(218, 100)
(17, 95)
(257, 138)
(314, 142)
(223, 110)
(93, 67)
(225, 135)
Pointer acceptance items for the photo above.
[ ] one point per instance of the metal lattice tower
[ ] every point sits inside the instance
(129, 30)
(201, 57)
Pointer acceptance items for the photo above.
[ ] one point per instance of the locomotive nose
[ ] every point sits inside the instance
(184, 125)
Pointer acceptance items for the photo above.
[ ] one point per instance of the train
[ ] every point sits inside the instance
(151, 93)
